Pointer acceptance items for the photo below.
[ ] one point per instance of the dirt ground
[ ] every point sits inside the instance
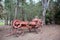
(48, 32)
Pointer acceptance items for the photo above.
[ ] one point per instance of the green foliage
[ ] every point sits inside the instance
(57, 12)
(32, 10)
(7, 4)
(1, 23)
(57, 18)
(54, 12)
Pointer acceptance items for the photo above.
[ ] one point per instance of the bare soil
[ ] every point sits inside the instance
(48, 32)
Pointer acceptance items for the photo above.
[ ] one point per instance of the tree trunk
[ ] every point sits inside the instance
(6, 20)
(23, 15)
(17, 9)
(43, 17)
(15, 16)
(45, 5)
